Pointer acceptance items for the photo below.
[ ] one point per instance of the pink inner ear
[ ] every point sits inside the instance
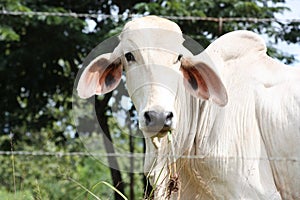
(194, 82)
(100, 76)
(203, 82)
(99, 65)
(110, 78)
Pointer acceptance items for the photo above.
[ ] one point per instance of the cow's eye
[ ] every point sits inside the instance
(129, 57)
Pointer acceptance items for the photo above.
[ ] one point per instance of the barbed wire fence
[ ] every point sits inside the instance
(188, 18)
(219, 20)
(139, 155)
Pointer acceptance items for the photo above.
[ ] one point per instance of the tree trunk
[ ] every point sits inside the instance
(101, 108)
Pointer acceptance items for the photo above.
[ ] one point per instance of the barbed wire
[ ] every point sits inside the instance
(187, 18)
(103, 16)
(65, 154)
(139, 155)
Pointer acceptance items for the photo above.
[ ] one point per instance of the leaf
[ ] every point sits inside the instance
(8, 34)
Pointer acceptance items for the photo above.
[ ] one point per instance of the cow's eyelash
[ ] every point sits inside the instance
(178, 58)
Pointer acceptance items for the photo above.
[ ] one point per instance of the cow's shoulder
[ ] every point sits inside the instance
(278, 114)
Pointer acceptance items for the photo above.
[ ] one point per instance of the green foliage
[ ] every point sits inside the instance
(39, 59)
(49, 177)
(8, 34)
(24, 195)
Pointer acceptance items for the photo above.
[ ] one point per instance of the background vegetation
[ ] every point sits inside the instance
(39, 59)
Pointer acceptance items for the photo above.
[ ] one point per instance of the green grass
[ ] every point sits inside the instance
(101, 182)
(24, 195)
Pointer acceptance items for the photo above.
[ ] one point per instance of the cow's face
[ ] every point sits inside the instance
(152, 81)
(157, 65)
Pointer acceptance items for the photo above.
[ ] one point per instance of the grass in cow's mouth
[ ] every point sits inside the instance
(173, 185)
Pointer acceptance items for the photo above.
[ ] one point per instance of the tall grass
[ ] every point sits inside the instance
(13, 162)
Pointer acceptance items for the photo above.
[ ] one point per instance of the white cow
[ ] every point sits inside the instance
(238, 139)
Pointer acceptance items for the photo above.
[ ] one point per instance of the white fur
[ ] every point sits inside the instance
(260, 123)
(240, 148)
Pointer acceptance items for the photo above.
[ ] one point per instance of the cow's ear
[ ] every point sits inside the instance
(101, 76)
(203, 82)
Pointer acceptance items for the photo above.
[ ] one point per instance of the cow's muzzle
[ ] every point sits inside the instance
(158, 122)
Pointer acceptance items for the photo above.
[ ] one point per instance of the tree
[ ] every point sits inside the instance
(39, 62)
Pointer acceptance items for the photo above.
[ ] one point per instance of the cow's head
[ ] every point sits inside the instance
(157, 66)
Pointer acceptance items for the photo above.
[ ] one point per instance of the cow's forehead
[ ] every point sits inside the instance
(152, 22)
(151, 32)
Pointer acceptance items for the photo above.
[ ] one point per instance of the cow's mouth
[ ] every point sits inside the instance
(155, 134)
(156, 139)
(159, 131)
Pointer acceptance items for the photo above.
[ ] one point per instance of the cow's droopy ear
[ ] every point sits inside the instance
(203, 82)
(101, 76)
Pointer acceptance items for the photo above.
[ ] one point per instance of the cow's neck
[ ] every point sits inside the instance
(195, 123)
(206, 131)
(193, 132)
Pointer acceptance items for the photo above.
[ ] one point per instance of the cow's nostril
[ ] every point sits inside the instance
(148, 115)
(169, 118)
